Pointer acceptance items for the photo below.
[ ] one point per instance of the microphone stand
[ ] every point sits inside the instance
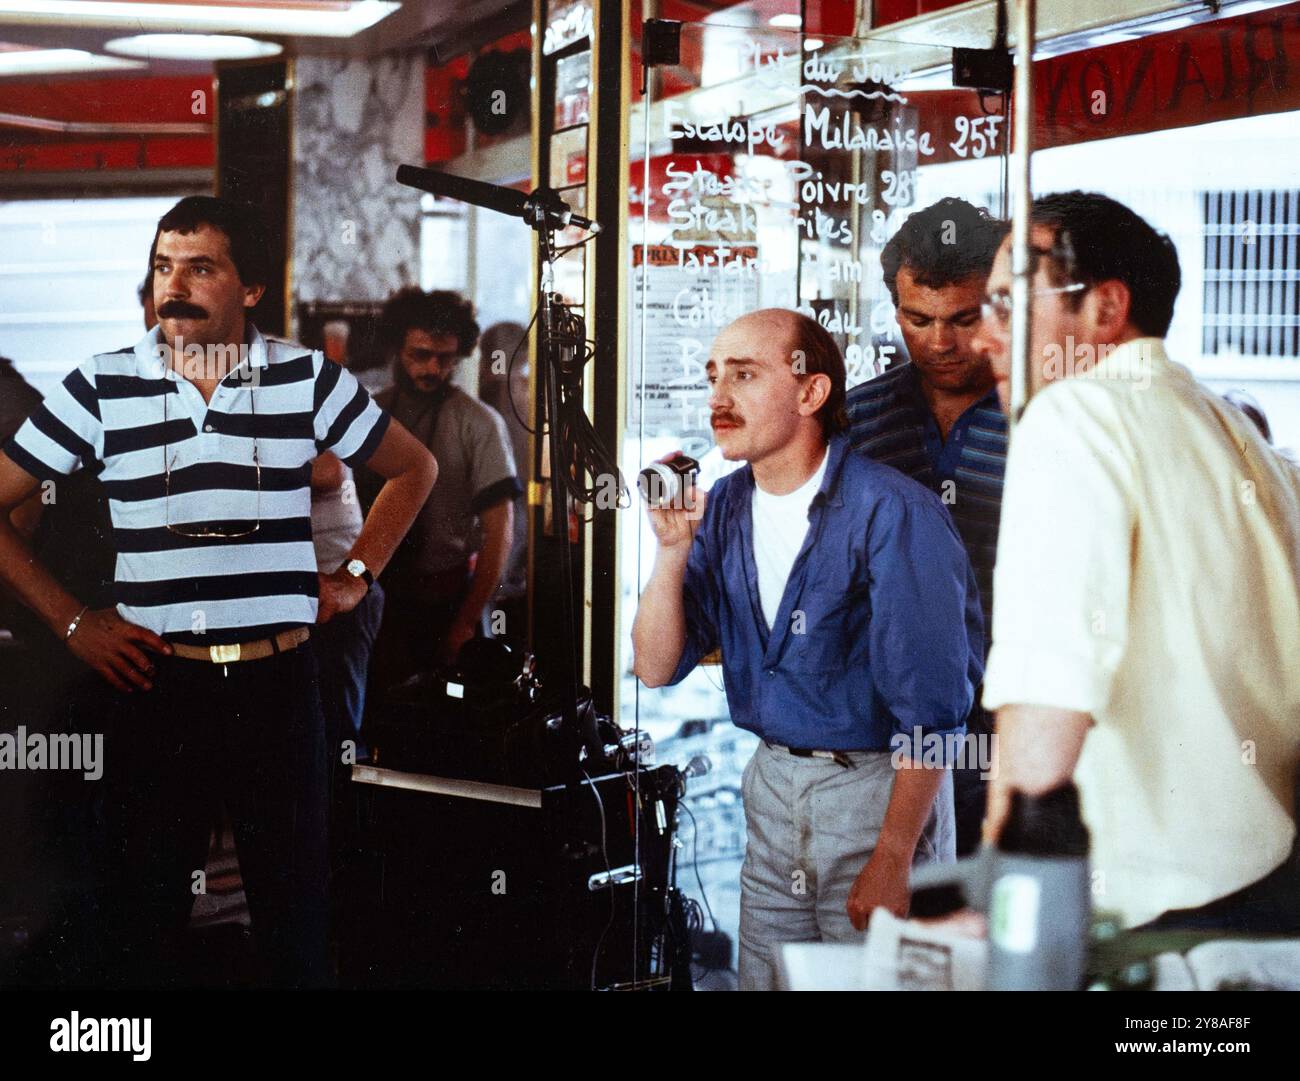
(560, 353)
(538, 215)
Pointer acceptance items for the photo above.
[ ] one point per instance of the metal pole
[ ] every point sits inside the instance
(1022, 197)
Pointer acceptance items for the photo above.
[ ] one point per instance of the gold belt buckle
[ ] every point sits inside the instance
(224, 654)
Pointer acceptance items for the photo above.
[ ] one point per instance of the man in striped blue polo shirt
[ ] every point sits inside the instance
(937, 418)
(203, 435)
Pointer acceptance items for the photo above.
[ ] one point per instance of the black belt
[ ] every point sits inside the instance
(840, 758)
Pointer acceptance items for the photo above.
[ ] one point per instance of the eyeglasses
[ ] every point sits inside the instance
(202, 529)
(997, 306)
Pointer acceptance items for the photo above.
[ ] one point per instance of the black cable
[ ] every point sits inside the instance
(679, 941)
(609, 875)
(576, 453)
(510, 369)
(572, 247)
(584, 453)
(633, 780)
(553, 367)
(694, 915)
(695, 859)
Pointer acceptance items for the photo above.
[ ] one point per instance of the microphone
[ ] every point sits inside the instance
(697, 766)
(495, 197)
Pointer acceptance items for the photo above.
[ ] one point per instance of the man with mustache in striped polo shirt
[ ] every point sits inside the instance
(203, 435)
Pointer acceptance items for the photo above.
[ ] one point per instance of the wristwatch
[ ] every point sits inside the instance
(357, 569)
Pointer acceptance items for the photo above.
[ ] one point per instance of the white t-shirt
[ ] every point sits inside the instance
(336, 522)
(780, 525)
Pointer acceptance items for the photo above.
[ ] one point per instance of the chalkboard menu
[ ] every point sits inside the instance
(774, 178)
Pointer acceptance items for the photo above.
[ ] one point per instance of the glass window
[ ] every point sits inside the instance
(69, 279)
(774, 183)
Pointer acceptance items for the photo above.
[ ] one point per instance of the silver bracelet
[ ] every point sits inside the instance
(73, 625)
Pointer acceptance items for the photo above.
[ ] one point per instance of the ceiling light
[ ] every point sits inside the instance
(192, 47)
(22, 61)
(325, 20)
(812, 44)
(785, 21)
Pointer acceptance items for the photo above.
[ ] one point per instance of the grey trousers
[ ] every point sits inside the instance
(812, 825)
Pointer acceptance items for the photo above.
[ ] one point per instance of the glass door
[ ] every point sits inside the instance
(773, 168)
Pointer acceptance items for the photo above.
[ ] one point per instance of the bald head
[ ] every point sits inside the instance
(796, 340)
(776, 379)
(775, 328)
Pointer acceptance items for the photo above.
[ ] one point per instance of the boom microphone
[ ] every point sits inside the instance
(495, 197)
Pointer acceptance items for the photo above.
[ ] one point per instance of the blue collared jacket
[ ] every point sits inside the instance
(879, 632)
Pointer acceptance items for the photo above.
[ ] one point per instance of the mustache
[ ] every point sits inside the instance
(725, 418)
(179, 309)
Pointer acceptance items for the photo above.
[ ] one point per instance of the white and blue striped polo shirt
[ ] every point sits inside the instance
(108, 416)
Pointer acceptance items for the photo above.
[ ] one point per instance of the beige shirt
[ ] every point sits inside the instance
(336, 522)
(476, 471)
(1148, 573)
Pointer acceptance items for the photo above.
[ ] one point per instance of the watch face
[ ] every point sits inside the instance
(356, 568)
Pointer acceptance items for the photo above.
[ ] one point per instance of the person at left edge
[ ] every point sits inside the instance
(205, 455)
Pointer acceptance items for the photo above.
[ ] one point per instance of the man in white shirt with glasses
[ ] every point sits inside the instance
(1146, 615)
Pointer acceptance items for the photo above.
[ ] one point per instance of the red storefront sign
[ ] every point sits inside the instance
(1226, 70)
